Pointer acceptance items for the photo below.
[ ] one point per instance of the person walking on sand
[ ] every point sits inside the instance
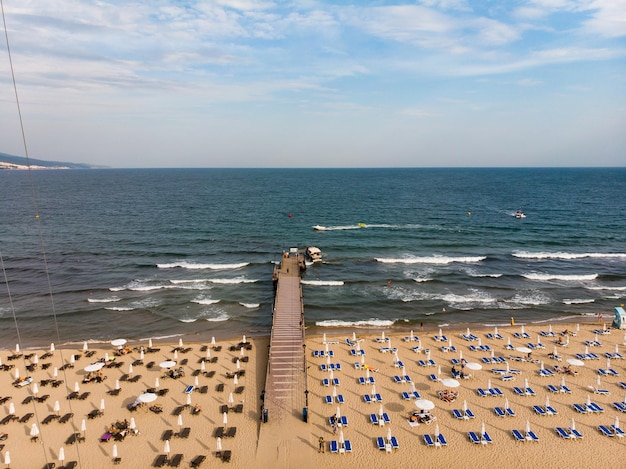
(321, 444)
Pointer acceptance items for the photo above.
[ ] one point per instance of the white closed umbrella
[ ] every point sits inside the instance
(436, 431)
(188, 402)
(389, 434)
(573, 424)
(354, 336)
(76, 387)
(367, 373)
(180, 420)
(440, 332)
(449, 343)
(464, 406)
(180, 342)
(61, 455)
(218, 445)
(380, 410)
(598, 380)
(141, 354)
(562, 380)
(34, 430)
(488, 384)
(460, 355)
(616, 424)
(438, 371)
(175, 355)
(338, 413)
(238, 364)
(72, 359)
(7, 458)
(196, 381)
(506, 403)
(412, 387)
(55, 372)
(35, 389)
(428, 355)
(208, 353)
(166, 448)
(527, 426)
(235, 380)
(156, 382)
(495, 330)
(588, 400)
(547, 401)
(57, 407)
(83, 426)
(482, 428)
(106, 356)
(242, 351)
(114, 452)
(341, 438)
(202, 366)
(326, 346)
(117, 384)
(12, 408)
(225, 418)
(130, 369)
(525, 382)
(373, 389)
(17, 373)
(231, 399)
(52, 347)
(36, 359)
(523, 330)
(212, 340)
(102, 405)
(358, 346)
(150, 343)
(403, 371)
(480, 342)
(468, 332)
(538, 340)
(17, 348)
(334, 391)
(132, 425)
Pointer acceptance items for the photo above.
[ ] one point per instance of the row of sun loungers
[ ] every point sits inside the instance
(559, 389)
(570, 433)
(588, 408)
(544, 410)
(388, 445)
(402, 379)
(523, 392)
(407, 396)
(621, 406)
(489, 392)
(332, 366)
(484, 438)
(504, 412)
(372, 398)
(459, 414)
(607, 372)
(530, 436)
(611, 430)
(437, 441)
(339, 398)
(323, 353)
(380, 420)
(338, 447)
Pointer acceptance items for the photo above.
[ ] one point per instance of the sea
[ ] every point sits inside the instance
(137, 253)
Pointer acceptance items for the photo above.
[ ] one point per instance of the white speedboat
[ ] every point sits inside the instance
(313, 254)
(319, 227)
(519, 214)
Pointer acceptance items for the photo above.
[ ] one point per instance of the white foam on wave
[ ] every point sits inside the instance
(439, 260)
(143, 286)
(600, 287)
(231, 281)
(188, 320)
(219, 318)
(111, 299)
(422, 279)
(577, 301)
(323, 283)
(119, 308)
(568, 278)
(198, 266)
(362, 323)
(568, 255)
(205, 301)
(533, 298)
(250, 305)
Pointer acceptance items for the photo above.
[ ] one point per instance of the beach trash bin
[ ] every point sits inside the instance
(305, 414)
(265, 416)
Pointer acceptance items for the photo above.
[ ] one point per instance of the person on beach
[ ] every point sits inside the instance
(321, 440)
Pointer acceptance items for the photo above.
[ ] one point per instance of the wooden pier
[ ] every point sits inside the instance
(285, 383)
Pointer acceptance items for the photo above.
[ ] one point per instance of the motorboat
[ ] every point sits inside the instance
(313, 254)
(319, 227)
(519, 214)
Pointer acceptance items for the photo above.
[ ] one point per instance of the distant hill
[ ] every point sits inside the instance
(18, 162)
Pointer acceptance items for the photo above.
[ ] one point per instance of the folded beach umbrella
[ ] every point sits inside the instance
(341, 438)
(325, 346)
(527, 426)
(482, 428)
(7, 458)
(467, 332)
(334, 391)
(438, 371)
(132, 425)
(598, 380)
(208, 353)
(382, 335)
(588, 401)
(403, 371)
(338, 413)
(61, 455)
(464, 406)
(242, 351)
(166, 448)
(547, 401)
(412, 387)
(362, 359)
(440, 332)
(373, 389)
(175, 355)
(550, 329)
(83, 426)
(367, 373)
(231, 399)
(150, 343)
(114, 452)
(235, 380)
(76, 387)
(102, 404)
(35, 389)
(460, 355)
(52, 347)
(354, 336)
(34, 430)
(480, 342)
(436, 431)
(562, 380)
(495, 330)
(508, 341)
(55, 372)
(324, 338)
(428, 355)
(358, 346)
(212, 340)
(12, 408)
(238, 364)
(202, 366)
(180, 420)
(449, 343)
(180, 342)
(573, 424)
(523, 330)
(188, 399)
(218, 445)
(380, 410)
(130, 369)
(57, 407)
(36, 359)
(156, 382)
(72, 359)
(17, 373)
(225, 418)
(389, 433)
(196, 381)
(506, 403)
(525, 382)
(141, 355)
(489, 384)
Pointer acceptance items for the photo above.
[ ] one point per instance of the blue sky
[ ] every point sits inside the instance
(247, 83)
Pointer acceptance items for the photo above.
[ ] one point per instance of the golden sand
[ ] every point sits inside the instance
(294, 443)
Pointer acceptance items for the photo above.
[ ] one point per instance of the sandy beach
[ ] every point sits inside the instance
(291, 442)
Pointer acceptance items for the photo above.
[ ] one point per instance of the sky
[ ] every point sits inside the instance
(312, 83)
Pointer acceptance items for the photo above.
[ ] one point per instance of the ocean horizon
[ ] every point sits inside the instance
(140, 253)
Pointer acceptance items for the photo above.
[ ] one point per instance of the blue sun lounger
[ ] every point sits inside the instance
(562, 433)
(374, 419)
(499, 412)
(579, 408)
(487, 438)
(604, 430)
(188, 389)
(380, 442)
(576, 433)
(328, 399)
(518, 391)
(386, 418)
(618, 431)
(532, 436)
(620, 406)
(334, 447)
(551, 410)
(405, 395)
(340, 399)
(517, 435)
(481, 392)
(553, 388)
(469, 414)
(428, 440)
(457, 414)
(442, 440)
(394, 442)
(509, 412)
(473, 437)
(539, 410)
(348, 446)
(367, 398)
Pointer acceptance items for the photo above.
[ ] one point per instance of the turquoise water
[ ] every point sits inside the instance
(144, 253)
